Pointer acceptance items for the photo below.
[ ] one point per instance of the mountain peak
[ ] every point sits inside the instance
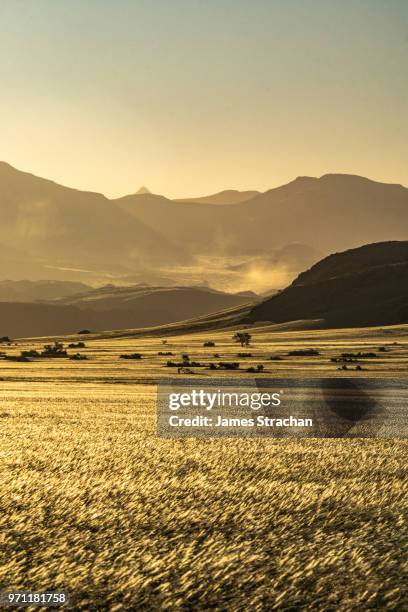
(143, 190)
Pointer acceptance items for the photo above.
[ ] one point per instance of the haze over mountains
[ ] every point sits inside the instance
(360, 287)
(30, 291)
(228, 196)
(53, 232)
(113, 307)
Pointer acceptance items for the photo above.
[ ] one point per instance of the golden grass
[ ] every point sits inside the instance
(94, 503)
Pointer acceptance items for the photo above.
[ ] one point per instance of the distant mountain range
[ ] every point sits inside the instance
(360, 287)
(112, 307)
(30, 291)
(228, 196)
(51, 231)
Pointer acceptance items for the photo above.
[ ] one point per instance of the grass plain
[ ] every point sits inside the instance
(94, 503)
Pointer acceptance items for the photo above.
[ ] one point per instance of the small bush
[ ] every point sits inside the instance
(228, 365)
(244, 355)
(359, 355)
(131, 356)
(209, 343)
(54, 350)
(16, 358)
(32, 353)
(304, 353)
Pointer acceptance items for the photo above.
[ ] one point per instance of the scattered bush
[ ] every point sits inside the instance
(303, 353)
(228, 365)
(77, 345)
(31, 353)
(78, 357)
(131, 356)
(276, 358)
(164, 353)
(209, 343)
(259, 368)
(4, 339)
(85, 331)
(182, 364)
(244, 355)
(359, 355)
(16, 358)
(54, 350)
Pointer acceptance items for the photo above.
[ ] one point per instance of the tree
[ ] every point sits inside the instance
(243, 338)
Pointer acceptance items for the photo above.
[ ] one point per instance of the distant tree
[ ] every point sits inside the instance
(243, 338)
(85, 331)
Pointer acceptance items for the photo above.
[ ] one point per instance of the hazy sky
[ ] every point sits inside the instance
(189, 97)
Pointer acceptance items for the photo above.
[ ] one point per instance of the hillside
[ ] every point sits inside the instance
(30, 291)
(50, 224)
(228, 196)
(331, 213)
(112, 308)
(361, 287)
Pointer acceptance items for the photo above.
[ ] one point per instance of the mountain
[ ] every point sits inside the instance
(143, 190)
(357, 288)
(30, 291)
(64, 227)
(51, 231)
(228, 196)
(330, 213)
(112, 307)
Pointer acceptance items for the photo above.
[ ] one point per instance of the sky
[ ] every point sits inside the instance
(190, 97)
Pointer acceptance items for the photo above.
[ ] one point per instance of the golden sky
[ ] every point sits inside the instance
(190, 97)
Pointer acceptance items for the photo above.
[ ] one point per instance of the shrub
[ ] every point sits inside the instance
(54, 350)
(228, 365)
(303, 353)
(359, 355)
(32, 353)
(85, 331)
(131, 356)
(209, 343)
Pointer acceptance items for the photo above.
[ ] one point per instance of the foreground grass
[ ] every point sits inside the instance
(92, 502)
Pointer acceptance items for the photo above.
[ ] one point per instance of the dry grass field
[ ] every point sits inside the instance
(94, 503)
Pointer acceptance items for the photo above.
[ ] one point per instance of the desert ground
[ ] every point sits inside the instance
(94, 503)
